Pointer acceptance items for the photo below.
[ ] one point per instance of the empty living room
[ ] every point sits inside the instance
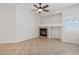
(39, 29)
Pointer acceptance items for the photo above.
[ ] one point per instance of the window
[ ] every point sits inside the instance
(72, 24)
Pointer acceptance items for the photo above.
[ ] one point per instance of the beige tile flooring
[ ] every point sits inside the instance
(39, 46)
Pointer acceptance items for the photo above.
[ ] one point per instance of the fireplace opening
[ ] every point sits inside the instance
(43, 32)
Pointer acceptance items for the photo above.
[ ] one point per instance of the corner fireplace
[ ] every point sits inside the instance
(43, 32)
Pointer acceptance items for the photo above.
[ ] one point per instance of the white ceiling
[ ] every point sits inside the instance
(55, 7)
(52, 6)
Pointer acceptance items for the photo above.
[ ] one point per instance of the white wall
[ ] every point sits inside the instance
(26, 23)
(17, 23)
(7, 23)
(2, 25)
(53, 19)
(70, 36)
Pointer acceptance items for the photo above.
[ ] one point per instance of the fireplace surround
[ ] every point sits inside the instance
(46, 31)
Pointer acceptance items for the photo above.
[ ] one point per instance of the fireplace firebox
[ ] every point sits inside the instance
(43, 32)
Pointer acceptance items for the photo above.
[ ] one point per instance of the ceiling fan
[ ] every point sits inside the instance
(40, 8)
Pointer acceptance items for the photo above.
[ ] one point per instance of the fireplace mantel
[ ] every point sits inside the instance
(50, 25)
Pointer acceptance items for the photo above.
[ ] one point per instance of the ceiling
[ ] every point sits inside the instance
(52, 7)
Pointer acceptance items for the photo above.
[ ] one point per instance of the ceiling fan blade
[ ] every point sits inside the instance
(45, 6)
(40, 5)
(35, 10)
(35, 6)
(46, 10)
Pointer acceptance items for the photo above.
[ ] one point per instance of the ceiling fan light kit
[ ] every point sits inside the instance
(40, 10)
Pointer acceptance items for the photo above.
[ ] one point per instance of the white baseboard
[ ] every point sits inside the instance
(27, 39)
(75, 42)
(18, 40)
